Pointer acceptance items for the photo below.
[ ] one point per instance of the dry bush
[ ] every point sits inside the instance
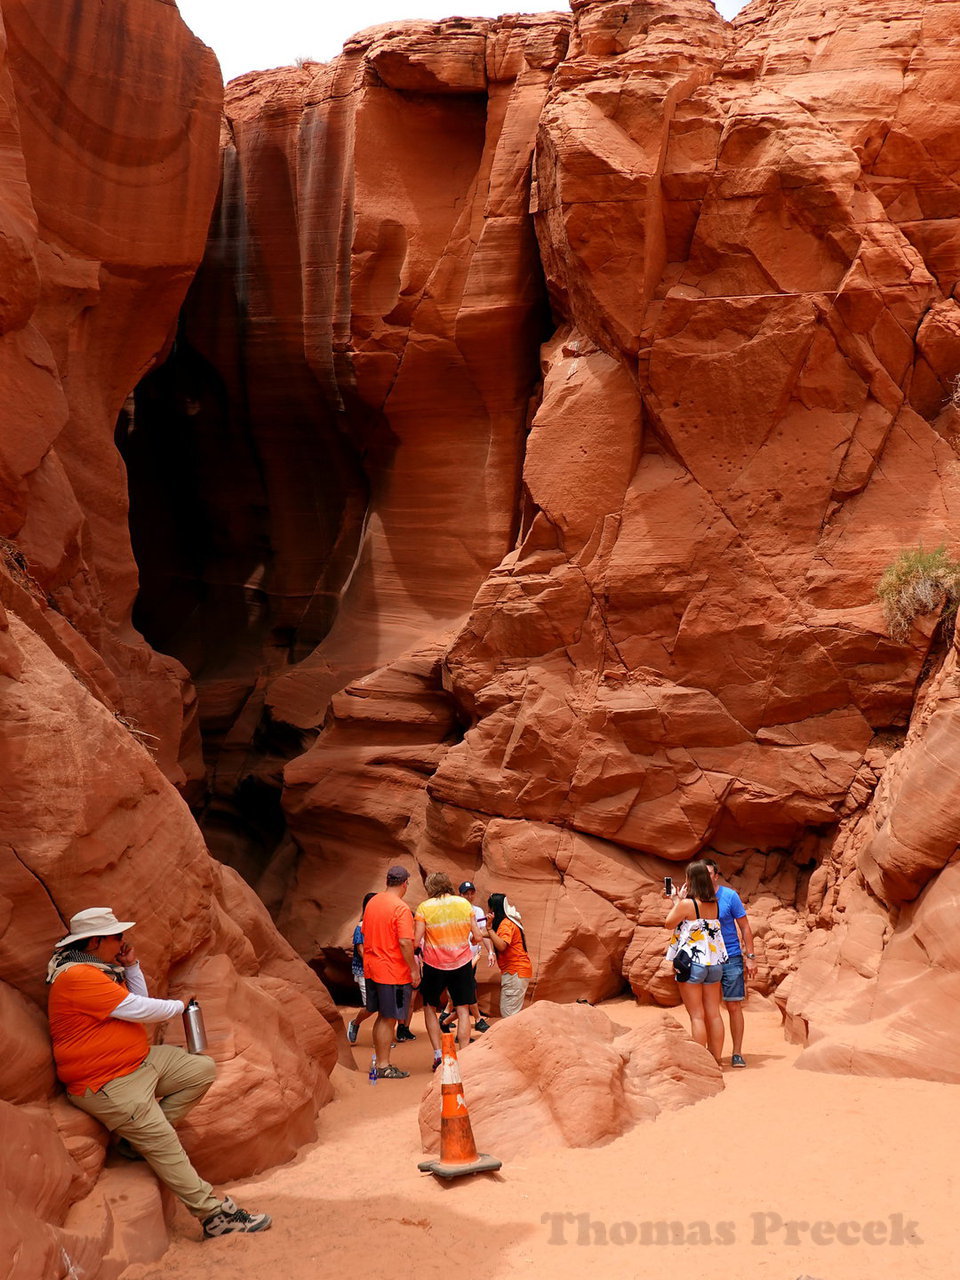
(918, 582)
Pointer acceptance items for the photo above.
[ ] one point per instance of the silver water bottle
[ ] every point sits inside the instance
(193, 1027)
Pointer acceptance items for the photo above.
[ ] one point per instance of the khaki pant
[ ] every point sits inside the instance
(144, 1106)
(512, 991)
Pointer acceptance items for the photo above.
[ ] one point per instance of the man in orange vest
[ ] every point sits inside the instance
(98, 1006)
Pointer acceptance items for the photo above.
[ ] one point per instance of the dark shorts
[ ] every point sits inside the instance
(460, 984)
(733, 985)
(389, 1000)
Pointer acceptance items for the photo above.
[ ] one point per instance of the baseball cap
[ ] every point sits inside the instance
(467, 886)
(397, 874)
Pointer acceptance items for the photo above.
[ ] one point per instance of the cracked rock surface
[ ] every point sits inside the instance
(629, 342)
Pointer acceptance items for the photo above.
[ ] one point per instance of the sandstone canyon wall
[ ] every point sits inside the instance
(109, 124)
(551, 396)
(616, 355)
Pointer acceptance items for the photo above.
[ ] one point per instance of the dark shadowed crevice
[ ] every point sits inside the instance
(244, 520)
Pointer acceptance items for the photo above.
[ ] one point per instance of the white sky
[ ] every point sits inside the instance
(252, 35)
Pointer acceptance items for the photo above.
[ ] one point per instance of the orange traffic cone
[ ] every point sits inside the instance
(458, 1151)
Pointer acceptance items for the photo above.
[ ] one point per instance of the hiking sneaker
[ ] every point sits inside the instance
(404, 1033)
(481, 1025)
(737, 1061)
(352, 1030)
(229, 1218)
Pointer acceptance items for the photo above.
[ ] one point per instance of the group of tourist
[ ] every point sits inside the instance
(434, 953)
(99, 1005)
(99, 1008)
(436, 950)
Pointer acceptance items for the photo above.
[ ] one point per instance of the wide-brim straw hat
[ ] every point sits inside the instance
(95, 922)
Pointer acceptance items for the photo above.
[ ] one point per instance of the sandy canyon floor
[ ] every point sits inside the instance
(831, 1154)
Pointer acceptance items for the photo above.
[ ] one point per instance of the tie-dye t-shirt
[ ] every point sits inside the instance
(446, 940)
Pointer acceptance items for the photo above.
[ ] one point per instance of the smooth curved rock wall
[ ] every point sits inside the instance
(109, 122)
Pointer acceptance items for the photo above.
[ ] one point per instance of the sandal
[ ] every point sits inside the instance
(391, 1073)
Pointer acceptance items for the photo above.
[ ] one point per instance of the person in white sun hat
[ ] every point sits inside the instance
(97, 1006)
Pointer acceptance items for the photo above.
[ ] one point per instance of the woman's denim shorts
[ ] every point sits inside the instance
(701, 974)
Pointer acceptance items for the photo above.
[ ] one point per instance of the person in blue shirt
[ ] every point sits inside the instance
(735, 927)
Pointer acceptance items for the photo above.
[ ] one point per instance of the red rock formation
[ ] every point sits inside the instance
(108, 137)
(112, 115)
(566, 1076)
(670, 640)
(878, 969)
(376, 270)
(560, 637)
(88, 816)
(727, 515)
(881, 964)
(549, 404)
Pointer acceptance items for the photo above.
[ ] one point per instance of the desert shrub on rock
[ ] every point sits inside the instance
(918, 582)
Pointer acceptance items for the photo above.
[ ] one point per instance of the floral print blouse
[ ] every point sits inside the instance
(702, 939)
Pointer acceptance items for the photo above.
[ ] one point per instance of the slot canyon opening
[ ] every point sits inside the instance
(323, 471)
(244, 521)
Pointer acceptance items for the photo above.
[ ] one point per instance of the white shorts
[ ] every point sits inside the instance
(362, 984)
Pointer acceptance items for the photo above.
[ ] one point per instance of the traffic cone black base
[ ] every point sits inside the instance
(482, 1164)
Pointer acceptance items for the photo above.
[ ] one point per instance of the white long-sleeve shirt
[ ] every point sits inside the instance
(140, 1007)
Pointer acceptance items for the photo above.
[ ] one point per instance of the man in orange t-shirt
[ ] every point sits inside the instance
(98, 1005)
(390, 969)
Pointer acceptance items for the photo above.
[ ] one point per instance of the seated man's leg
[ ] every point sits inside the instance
(151, 1133)
(128, 1107)
(182, 1078)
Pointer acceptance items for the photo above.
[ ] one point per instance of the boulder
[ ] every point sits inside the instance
(566, 1076)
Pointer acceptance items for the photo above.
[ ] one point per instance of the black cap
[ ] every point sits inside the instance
(398, 874)
(467, 887)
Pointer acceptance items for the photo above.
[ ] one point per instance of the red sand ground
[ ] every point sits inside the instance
(777, 1141)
